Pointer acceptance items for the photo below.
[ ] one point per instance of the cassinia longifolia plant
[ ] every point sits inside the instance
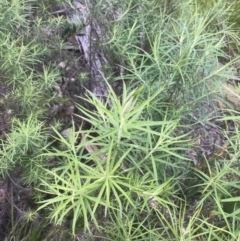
(125, 172)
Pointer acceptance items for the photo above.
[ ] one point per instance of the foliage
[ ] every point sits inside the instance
(124, 172)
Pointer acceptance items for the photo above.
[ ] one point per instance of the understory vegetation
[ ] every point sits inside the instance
(157, 158)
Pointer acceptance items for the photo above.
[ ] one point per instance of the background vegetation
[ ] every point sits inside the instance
(159, 161)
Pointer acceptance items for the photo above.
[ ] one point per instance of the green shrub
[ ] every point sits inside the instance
(122, 177)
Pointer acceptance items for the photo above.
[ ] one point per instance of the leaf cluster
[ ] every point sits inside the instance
(122, 177)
